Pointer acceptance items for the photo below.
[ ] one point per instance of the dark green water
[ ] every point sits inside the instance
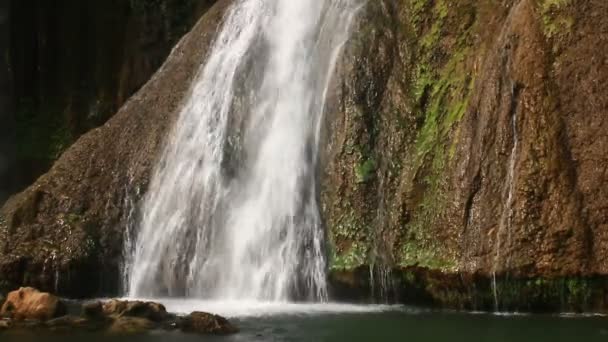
(402, 325)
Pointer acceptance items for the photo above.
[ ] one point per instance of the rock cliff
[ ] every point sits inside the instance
(467, 154)
(464, 162)
(73, 64)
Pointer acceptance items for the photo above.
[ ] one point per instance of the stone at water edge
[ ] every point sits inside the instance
(149, 310)
(131, 325)
(206, 323)
(70, 324)
(29, 303)
(93, 310)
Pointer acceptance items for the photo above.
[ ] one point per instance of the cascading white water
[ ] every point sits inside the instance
(231, 212)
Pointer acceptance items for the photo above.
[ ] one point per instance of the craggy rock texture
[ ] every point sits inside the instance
(32, 311)
(149, 310)
(74, 63)
(464, 162)
(467, 154)
(64, 233)
(206, 323)
(30, 304)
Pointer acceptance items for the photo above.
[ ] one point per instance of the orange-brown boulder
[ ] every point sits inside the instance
(29, 303)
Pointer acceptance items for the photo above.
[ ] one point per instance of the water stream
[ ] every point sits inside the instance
(231, 212)
(506, 217)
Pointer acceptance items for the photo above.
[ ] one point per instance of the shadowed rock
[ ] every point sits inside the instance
(206, 323)
(93, 310)
(131, 325)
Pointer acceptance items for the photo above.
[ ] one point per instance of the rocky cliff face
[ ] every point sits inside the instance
(74, 63)
(464, 162)
(467, 155)
(64, 233)
(7, 134)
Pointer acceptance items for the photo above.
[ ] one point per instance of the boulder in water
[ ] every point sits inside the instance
(93, 310)
(149, 310)
(206, 323)
(29, 303)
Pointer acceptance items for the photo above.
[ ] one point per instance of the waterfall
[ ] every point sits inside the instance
(231, 211)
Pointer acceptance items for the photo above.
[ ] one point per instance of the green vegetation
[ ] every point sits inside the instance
(571, 294)
(40, 135)
(350, 259)
(352, 251)
(365, 171)
(555, 21)
(441, 90)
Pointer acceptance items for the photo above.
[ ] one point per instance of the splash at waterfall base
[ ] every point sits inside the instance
(417, 146)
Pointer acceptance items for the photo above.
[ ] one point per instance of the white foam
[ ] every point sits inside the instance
(241, 309)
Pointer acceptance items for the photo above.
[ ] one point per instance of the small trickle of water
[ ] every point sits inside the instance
(506, 219)
(232, 211)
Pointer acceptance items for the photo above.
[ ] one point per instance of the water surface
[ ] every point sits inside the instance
(338, 322)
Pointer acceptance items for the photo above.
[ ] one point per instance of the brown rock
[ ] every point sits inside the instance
(93, 310)
(149, 310)
(69, 324)
(130, 325)
(206, 323)
(73, 214)
(29, 303)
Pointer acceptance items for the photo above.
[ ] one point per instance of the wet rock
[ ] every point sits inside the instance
(149, 310)
(69, 324)
(29, 303)
(131, 325)
(4, 324)
(93, 310)
(206, 323)
(71, 214)
(114, 316)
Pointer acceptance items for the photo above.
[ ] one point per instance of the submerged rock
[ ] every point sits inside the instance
(131, 325)
(206, 323)
(71, 323)
(29, 303)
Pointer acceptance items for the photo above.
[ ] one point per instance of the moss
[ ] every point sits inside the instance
(354, 256)
(475, 292)
(442, 96)
(349, 248)
(365, 171)
(433, 36)
(555, 21)
(40, 135)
